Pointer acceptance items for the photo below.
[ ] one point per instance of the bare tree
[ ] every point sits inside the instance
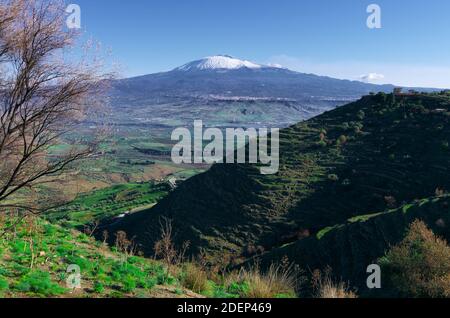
(165, 248)
(43, 96)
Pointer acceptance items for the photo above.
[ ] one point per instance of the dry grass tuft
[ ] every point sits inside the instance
(277, 281)
(325, 287)
(195, 278)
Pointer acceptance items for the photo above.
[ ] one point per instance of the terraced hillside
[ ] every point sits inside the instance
(349, 248)
(372, 155)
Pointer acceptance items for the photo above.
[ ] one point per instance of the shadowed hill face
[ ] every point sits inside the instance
(349, 248)
(365, 157)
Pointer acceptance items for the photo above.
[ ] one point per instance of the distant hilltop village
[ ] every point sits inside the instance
(398, 91)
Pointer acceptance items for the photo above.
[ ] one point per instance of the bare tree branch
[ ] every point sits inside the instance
(43, 96)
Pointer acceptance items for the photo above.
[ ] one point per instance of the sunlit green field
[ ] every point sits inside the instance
(109, 202)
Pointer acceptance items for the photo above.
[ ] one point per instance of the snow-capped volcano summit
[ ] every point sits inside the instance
(218, 62)
(229, 77)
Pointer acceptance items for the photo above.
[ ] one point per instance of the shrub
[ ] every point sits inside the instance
(163, 277)
(128, 283)
(321, 143)
(238, 288)
(3, 284)
(419, 266)
(333, 177)
(165, 248)
(99, 288)
(150, 282)
(125, 245)
(361, 115)
(131, 277)
(357, 127)
(39, 282)
(85, 264)
(342, 140)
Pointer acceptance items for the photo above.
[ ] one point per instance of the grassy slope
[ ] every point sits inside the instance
(345, 163)
(35, 265)
(35, 256)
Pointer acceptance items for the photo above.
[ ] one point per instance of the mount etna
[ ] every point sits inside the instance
(225, 91)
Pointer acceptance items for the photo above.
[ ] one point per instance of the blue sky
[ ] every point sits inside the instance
(325, 37)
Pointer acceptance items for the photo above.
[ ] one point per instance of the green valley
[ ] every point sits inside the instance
(109, 202)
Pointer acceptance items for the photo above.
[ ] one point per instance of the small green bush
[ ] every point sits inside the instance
(5, 272)
(38, 282)
(333, 177)
(128, 283)
(99, 288)
(361, 115)
(342, 140)
(163, 277)
(85, 264)
(238, 288)
(4, 285)
(150, 282)
(49, 230)
(321, 144)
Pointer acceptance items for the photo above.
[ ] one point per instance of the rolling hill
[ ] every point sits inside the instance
(375, 155)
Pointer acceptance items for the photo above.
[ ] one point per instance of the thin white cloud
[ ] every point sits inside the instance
(371, 78)
(275, 65)
(393, 73)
